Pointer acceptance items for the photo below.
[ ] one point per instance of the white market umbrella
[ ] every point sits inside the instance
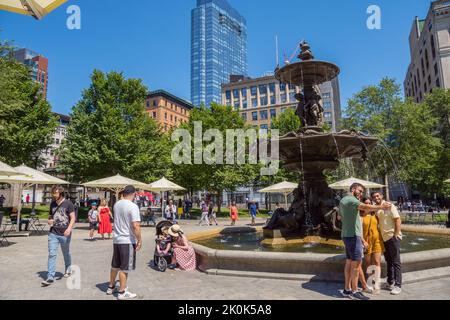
(163, 185)
(447, 181)
(284, 187)
(27, 178)
(116, 184)
(35, 8)
(346, 184)
(6, 170)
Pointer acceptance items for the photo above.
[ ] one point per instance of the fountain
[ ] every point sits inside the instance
(310, 224)
(311, 151)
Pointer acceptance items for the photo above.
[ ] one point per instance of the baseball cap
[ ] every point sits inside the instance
(128, 190)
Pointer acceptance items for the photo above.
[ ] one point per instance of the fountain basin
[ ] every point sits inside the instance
(326, 266)
(307, 72)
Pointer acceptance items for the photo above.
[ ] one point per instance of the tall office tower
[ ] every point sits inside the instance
(38, 65)
(429, 43)
(218, 49)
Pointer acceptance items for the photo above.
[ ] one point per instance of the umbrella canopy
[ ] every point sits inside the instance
(345, 184)
(29, 176)
(6, 170)
(35, 8)
(448, 181)
(115, 182)
(164, 185)
(284, 187)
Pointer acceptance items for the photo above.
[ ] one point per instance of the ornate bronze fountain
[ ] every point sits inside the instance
(311, 151)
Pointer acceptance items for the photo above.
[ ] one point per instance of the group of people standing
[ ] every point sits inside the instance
(100, 218)
(370, 227)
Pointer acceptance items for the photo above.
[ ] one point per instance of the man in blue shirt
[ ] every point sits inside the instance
(253, 211)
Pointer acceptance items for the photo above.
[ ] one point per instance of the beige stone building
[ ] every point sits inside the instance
(168, 110)
(261, 100)
(429, 43)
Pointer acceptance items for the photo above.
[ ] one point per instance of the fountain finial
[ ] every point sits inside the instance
(306, 53)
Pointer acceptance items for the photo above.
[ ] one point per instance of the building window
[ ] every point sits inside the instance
(244, 93)
(282, 87)
(244, 116)
(154, 115)
(283, 109)
(263, 115)
(171, 118)
(253, 91)
(176, 119)
(327, 115)
(264, 127)
(237, 104)
(272, 100)
(273, 113)
(263, 101)
(254, 102)
(154, 103)
(165, 115)
(292, 96)
(433, 47)
(283, 98)
(236, 94)
(148, 104)
(272, 88)
(244, 104)
(327, 105)
(262, 89)
(255, 116)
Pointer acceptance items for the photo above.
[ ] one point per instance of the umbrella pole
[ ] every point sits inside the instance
(285, 200)
(19, 207)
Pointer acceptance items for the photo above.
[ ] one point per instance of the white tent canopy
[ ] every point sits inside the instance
(27, 178)
(6, 170)
(115, 183)
(345, 184)
(284, 187)
(35, 8)
(448, 181)
(163, 185)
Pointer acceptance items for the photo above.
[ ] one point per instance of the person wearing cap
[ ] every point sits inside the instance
(183, 253)
(127, 241)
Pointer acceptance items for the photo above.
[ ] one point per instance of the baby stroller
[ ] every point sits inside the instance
(160, 260)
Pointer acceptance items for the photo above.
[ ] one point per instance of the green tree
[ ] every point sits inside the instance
(26, 122)
(111, 133)
(215, 178)
(287, 122)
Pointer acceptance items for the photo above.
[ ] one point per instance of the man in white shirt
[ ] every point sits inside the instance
(390, 227)
(126, 241)
(171, 211)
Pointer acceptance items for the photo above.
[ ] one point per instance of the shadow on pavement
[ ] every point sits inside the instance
(330, 289)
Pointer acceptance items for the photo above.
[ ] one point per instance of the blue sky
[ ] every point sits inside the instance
(150, 39)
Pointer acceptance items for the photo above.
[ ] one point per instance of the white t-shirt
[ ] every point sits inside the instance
(125, 213)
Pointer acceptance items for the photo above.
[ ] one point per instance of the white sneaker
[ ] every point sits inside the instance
(127, 295)
(396, 291)
(111, 291)
(387, 286)
(368, 290)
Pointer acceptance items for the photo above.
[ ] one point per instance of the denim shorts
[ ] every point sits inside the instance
(354, 249)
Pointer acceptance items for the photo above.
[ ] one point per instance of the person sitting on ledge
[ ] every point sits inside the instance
(13, 217)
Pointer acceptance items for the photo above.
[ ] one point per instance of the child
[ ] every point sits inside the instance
(93, 220)
(164, 242)
(233, 213)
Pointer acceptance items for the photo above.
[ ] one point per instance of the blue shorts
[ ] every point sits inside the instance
(354, 249)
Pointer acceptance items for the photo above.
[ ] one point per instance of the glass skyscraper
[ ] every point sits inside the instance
(218, 49)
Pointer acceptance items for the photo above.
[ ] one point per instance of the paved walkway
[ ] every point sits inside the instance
(24, 263)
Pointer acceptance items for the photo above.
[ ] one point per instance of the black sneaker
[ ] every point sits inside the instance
(47, 282)
(358, 296)
(346, 293)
